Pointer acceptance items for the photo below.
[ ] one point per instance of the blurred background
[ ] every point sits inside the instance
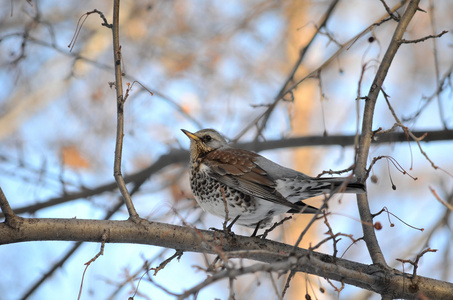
(222, 65)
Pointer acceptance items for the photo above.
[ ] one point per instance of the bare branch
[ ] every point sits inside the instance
(391, 13)
(424, 38)
(415, 263)
(369, 277)
(120, 100)
(162, 265)
(88, 263)
(367, 132)
(409, 133)
(445, 203)
(432, 19)
(4, 205)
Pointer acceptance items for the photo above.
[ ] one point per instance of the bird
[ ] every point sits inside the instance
(249, 188)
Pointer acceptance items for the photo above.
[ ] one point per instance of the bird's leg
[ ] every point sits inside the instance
(226, 228)
(256, 229)
(276, 224)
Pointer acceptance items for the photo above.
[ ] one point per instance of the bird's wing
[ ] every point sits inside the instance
(236, 169)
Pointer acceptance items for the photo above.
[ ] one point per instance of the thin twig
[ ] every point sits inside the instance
(424, 38)
(385, 209)
(275, 225)
(162, 265)
(436, 62)
(120, 113)
(291, 275)
(409, 133)
(274, 285)
(324, 206)
(87, 264)
(6, 209)
(446, 204)
(415, 263)
(227, 218)
(391, 14)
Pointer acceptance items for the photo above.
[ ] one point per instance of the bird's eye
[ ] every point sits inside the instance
(207, 138)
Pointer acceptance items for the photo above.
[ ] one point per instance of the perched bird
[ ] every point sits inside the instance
(254, 188)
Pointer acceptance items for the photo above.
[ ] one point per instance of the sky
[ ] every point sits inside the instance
(68, 102)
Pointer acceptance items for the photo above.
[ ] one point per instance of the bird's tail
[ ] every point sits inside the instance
(304, 209)
(328, 186)
(341, 185)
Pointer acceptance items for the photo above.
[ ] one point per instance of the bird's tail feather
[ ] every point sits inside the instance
(345, 185)
(326, 185)
(304, 209)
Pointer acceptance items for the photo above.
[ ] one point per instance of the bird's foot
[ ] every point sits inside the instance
(256, 230)
(226, 232)
(226, 228)
(139, 221)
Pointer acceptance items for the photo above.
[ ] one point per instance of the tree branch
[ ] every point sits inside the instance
(424, 38)
(367, 133)
(120, 100)
(371, 277)
(4, 205)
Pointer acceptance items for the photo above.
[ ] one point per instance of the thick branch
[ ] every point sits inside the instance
(370, 277)
(367, 132)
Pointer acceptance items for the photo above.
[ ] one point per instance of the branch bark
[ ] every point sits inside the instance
(371, 277)
(120, 100)
(367, 133)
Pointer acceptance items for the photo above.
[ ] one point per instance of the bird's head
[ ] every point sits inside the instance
(204, 141)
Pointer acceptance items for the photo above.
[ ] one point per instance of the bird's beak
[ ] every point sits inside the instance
(190, 135)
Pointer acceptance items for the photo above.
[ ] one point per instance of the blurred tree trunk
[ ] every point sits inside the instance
(301, 111)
